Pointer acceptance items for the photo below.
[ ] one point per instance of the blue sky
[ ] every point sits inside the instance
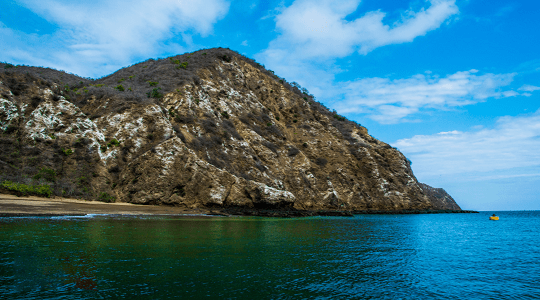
(454, 84)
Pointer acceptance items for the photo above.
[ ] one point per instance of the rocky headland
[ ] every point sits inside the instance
(210, 129)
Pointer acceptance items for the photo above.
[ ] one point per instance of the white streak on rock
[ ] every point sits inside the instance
(8, 112)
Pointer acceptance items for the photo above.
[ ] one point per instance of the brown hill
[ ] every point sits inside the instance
(210, 128)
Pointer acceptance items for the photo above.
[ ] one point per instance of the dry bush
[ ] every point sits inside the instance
(321, 161)
(231, 129)
(293, 151)
(273, 147)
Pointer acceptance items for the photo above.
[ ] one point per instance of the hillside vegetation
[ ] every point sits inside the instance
(210, 129)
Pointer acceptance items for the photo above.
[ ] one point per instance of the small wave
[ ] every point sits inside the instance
(87, 216)
(54, 217)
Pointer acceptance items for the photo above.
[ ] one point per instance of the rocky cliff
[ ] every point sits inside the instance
(210, 128)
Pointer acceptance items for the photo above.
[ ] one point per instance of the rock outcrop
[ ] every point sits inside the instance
(440, 199)
(205, 129)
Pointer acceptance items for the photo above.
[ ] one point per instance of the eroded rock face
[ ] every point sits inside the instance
(231, 135)
(440, 199)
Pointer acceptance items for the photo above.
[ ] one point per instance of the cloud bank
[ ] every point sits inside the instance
(318, 28)
(511, 143)
(313, 33)
(92, 34)
(392, 101)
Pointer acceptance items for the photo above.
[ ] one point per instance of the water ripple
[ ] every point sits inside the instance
(371, 257)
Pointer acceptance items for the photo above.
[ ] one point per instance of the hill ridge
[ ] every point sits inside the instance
(210, 128)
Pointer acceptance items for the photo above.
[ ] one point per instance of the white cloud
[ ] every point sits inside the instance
(93, 33)
(506, 176)
(313, 33)
(529, 88)
(390, 101)
(319, 29)
(512, 143)
(510, 93)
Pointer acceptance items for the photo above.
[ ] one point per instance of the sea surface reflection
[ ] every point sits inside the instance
(369, 256)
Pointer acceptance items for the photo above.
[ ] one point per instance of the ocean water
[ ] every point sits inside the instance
(445, 256)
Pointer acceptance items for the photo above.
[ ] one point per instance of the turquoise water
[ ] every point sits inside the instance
(446, 256)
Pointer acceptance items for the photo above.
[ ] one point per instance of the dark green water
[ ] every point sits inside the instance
(454, 256)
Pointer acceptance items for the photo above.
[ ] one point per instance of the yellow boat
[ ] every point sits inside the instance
(494, 218)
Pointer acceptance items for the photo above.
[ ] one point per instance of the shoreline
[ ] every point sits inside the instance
(25, 206)
(12, 205)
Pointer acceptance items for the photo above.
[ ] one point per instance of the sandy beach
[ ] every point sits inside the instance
(11, 205)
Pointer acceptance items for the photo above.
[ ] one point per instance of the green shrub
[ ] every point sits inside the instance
(122, 79)
(277, 118)
(183, 65)
(225, 58)
(120, 88)
(268, 124)
(105, 197)
(67, 152)
(153, 83)
(47, 174)
(82, 180)
(339, 118)
(114, 142)
(28, 189)
(103, 148)
(7, 66)
(225, 115)
(154, 93)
